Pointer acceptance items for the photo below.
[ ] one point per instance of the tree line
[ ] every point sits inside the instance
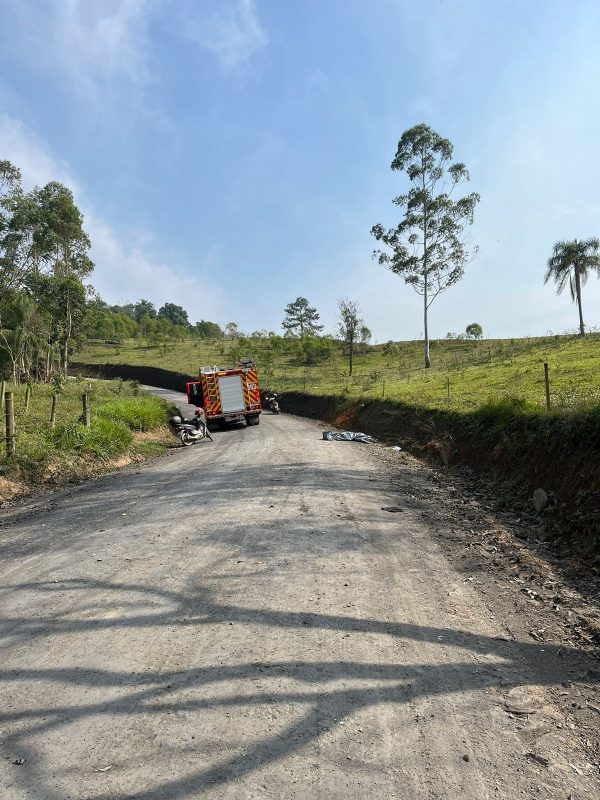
(114, 323)
(47, 309)
(44, 260)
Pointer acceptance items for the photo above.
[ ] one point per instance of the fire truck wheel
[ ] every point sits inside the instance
(252, 420)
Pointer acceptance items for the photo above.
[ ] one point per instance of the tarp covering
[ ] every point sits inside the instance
(347, 436)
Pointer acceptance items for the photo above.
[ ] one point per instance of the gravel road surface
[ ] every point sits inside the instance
(242, 619)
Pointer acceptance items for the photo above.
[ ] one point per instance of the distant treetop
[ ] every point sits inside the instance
(301, 319)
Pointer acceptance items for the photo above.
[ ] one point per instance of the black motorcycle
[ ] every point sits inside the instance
(271, 403)
(192, 430)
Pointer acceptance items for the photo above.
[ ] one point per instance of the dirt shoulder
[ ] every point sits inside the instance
(84, 429)
(519, 452)
(63, 470)
(531, 591)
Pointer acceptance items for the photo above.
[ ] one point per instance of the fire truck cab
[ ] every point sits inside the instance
(227, 395)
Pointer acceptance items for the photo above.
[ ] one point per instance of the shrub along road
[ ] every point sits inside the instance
(244, 620)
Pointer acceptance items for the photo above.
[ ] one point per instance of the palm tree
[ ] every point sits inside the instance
(572, 262)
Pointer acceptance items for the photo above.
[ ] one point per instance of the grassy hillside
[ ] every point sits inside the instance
(465, 375)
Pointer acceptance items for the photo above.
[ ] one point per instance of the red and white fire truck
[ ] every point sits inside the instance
(227, 395)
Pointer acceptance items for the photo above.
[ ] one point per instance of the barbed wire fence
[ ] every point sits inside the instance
(547, 383)
(466, 373)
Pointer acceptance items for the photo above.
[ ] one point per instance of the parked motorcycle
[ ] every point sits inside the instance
(191, 431)
(272, 403)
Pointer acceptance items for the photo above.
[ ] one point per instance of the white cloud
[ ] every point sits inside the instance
(20, 145)
(94, 46)
(231, 30)
(107, 39)
(106, 43)
(124, 271)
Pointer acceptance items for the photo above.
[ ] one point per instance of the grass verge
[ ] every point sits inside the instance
(126, 425)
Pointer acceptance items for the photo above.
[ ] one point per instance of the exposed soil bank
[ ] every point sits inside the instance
(153, 376)
(560, 454)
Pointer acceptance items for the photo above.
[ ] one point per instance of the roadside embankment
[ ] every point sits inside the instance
(126, 426)
(510, 442)
(151, 376)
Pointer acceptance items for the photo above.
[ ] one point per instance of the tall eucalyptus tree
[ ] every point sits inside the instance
(427, 247)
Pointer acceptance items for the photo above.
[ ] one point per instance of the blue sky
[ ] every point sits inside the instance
(231, 155)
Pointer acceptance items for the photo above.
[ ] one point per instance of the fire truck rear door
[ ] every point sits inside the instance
(232, 394)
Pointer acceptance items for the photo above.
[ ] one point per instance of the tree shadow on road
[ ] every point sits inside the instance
(317, 687)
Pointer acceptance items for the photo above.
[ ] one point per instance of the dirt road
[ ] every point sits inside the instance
(243, 620)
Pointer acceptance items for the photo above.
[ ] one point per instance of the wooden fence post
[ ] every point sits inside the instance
(53, 409)
(448, 388)
(10, 423)
(86, 409)
(27, 396)
(547, 382)
(383, 388)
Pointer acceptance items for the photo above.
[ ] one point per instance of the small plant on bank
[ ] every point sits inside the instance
(57, 382)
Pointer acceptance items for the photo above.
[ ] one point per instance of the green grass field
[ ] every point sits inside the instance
(465, 375)
(118, 411)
